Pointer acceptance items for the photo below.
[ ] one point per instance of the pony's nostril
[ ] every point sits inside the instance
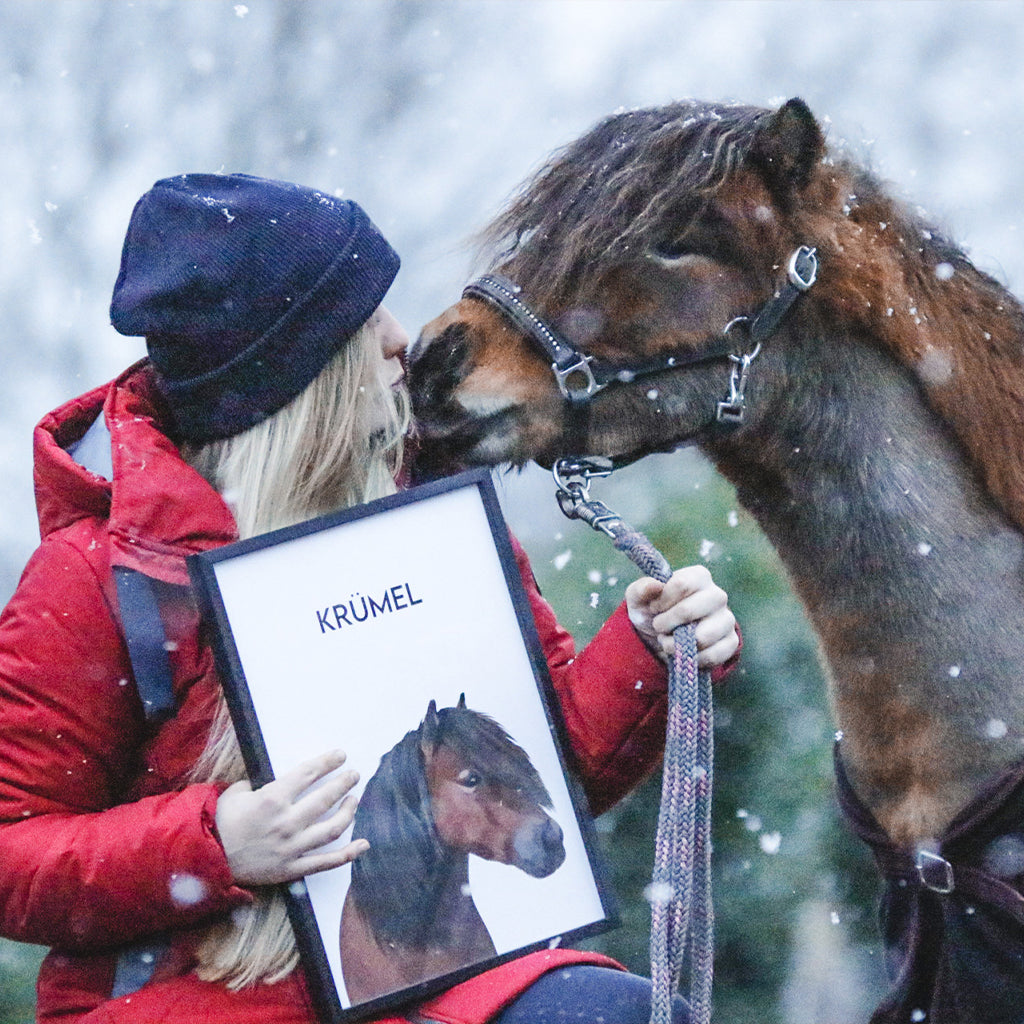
(552, 836)
(539, 848)
(436, 365)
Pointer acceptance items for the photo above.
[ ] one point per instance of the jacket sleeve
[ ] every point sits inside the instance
(80, 868)
(613, 697)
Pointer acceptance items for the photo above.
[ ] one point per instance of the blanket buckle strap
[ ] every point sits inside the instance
(934, 872)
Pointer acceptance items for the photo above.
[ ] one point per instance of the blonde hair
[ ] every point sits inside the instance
(337, 444)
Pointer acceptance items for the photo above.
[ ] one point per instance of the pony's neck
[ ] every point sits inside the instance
(959, 332)
(909, 572)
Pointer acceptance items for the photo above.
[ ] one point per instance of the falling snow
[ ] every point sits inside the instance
(995, 729)
(187, 890)
(658, 893)
(459, 178)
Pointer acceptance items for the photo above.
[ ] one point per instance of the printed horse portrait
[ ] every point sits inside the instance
(457, 785)
(871, 420)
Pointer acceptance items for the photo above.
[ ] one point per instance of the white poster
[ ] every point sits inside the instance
(399, 633)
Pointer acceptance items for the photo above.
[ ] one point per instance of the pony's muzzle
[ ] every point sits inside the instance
(539, 848)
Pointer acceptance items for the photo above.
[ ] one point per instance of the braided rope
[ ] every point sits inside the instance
(682, 913)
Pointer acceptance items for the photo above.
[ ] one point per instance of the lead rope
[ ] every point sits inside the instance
(682, 913)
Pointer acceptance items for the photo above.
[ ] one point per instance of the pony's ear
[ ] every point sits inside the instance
(462, 701)
(430, 728)
(787, 147)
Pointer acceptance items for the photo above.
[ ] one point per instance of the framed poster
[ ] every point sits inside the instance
(399, 631)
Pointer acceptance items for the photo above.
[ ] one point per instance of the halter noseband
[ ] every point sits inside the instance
(580, 376)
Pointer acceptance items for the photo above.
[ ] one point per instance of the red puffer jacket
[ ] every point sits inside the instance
(102, 840)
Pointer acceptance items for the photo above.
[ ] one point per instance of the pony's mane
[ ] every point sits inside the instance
(479, 739)
(623, 188)
(391, 880)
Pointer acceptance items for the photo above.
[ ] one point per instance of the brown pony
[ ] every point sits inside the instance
(456, 785)
(877, 437)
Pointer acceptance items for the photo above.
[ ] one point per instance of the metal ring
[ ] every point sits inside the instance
(809, 255)
(747, 357)
(736, 321)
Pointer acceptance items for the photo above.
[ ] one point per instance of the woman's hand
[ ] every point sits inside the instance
(273, 834)
(690, 595)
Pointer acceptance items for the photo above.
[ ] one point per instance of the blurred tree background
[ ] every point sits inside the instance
(429, 113)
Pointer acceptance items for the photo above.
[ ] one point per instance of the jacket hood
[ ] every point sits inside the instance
(158, 509)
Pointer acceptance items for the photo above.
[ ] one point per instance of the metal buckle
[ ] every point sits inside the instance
(934, 872)
(808, 256)
(572, 480)
(582, 365)
(734, 408)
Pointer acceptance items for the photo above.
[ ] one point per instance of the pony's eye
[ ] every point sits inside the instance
(681, 260)
(470, 778)
(669, 250)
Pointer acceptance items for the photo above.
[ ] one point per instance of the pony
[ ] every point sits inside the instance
(458, 784)
(720, 276)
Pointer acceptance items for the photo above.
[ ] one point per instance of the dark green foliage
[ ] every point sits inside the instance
(18, 966)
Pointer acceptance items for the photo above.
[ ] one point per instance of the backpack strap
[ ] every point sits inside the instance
(140, 611)
(146, 640)
(136, 964)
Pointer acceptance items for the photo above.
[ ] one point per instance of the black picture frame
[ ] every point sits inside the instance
(276, 655)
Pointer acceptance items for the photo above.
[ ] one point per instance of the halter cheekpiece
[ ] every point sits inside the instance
(580, 376)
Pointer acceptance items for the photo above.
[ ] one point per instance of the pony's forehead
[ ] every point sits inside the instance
(480, 739)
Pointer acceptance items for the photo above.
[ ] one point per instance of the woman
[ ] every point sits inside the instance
(130, 841)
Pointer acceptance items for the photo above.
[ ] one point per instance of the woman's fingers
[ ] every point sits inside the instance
(311, 806)
(719, 652)
(716, 636)
(696, 607)
(690, 595)
(325, 830)
(295, 782)
(327, 859)
(276, 833)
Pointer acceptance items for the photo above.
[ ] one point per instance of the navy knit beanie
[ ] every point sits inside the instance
(244, 289)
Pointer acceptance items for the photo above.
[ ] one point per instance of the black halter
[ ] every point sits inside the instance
(580, 376)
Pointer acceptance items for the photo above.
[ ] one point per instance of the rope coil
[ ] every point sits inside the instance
(682, 912)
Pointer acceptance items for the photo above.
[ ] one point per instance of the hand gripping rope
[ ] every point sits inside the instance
(682, 915)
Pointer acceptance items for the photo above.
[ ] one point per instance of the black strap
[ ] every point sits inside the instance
(800, 275)
(571, 368)
(136, 964)
(580, 376)
(146, 641)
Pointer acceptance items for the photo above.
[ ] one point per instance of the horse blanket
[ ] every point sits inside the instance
(952, 915)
